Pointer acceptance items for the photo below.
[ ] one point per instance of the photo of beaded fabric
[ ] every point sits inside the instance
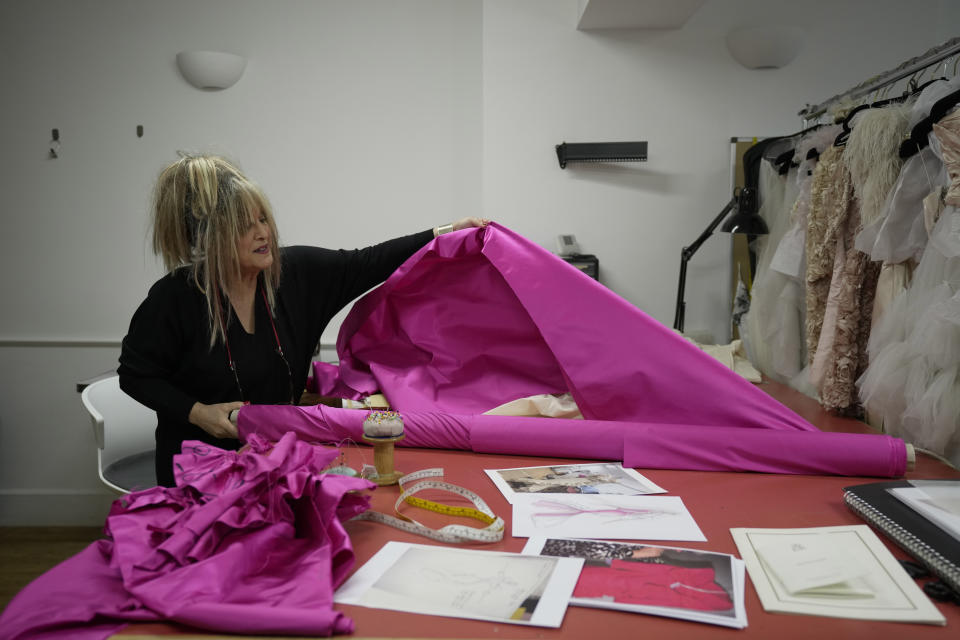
(595, 479)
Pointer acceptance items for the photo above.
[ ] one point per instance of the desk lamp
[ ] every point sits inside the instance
(744, 220)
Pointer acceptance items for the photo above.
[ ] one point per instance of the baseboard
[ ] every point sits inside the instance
(53, 508)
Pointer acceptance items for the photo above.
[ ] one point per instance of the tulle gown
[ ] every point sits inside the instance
(913, 381)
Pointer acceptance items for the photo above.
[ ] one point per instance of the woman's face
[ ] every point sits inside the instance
(253, 247)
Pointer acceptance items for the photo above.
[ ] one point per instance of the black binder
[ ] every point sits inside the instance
(926, 542)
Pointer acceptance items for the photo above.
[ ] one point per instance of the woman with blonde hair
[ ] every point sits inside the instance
(237, 318)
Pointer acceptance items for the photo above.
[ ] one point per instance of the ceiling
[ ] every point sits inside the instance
(636, 14)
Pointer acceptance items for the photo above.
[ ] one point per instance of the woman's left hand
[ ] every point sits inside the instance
(466, 223)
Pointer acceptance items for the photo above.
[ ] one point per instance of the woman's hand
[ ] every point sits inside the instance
(215, 418)
(466, 223)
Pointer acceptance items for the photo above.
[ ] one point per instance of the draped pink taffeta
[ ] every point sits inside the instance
(247, 543)
(480, 317)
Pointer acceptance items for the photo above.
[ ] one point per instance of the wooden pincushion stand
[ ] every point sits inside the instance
(383, 459)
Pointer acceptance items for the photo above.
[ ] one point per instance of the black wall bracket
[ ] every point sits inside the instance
(601, 152)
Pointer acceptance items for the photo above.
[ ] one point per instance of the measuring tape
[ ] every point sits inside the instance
(413, 483)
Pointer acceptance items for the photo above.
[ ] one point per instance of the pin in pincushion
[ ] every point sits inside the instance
(383, 424)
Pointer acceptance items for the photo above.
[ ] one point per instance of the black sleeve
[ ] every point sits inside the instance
(157, 340)
(332, 278)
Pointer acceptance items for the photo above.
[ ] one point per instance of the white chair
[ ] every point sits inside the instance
(124, 431)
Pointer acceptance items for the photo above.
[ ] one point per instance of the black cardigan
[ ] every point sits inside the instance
(166, 362)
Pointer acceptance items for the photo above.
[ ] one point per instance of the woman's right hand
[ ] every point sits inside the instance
(215, 418)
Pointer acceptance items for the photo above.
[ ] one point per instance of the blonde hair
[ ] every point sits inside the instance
(202, 205)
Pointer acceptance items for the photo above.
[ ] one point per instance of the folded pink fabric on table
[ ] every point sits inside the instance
(636, 444)
(480, 317)
(247, 543)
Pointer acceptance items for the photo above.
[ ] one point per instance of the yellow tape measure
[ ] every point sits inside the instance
(454, 533)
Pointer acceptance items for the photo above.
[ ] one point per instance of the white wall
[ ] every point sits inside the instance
(545, 83)
(364, 119)
(361, 119)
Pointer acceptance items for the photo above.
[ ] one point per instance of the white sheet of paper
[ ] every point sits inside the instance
(939, 502)
(463, 583)
(810, 564)
(737, 618)
(896, 596)
(588, 479)
(558, 515)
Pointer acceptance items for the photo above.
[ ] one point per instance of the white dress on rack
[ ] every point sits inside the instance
(774, 192)
(773, 329)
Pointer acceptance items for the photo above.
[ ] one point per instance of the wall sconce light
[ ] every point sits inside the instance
(765, 47)
(211, 70)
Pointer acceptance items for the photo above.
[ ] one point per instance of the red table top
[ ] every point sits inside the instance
(718, 502)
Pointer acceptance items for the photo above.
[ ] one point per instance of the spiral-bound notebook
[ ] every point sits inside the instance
(930, 545)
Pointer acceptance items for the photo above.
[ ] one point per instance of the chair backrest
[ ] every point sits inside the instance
(122, 427)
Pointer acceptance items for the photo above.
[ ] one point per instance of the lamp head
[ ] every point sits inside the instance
(745, 219)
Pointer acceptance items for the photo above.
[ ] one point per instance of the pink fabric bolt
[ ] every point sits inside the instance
(763, 450)
(636, 444)
(248, 543)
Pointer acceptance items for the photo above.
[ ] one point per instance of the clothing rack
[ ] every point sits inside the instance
(887, 78)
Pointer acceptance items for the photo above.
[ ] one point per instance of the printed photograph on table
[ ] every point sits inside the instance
(589, 479)
(463, 583)
(699, 586)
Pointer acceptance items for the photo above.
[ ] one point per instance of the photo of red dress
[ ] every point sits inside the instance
(663, 585)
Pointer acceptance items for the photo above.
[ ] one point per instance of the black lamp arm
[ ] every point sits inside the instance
(687, 252)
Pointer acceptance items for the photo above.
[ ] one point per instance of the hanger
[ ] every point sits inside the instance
(912, 89)
(919, 135)
(784, 162)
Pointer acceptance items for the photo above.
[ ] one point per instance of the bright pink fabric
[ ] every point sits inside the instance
(763, 450)
(636, 444)
(480, 317)
(248, 543)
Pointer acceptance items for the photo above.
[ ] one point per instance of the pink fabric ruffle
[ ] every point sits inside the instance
(248, 542)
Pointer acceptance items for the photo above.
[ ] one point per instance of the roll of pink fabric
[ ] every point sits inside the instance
(636, 444)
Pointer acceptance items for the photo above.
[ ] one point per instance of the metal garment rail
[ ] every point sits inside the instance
(908, 68)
